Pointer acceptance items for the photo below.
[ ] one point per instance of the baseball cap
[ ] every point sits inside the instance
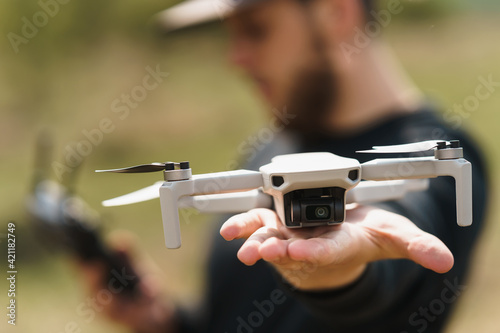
(194, 12)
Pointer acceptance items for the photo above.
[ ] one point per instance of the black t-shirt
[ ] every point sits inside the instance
(392, 296)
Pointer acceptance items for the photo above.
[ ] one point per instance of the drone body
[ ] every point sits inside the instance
(308, 189)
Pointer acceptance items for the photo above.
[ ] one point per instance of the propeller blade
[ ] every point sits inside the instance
(145, 194)
(153, 167)
(404, 148)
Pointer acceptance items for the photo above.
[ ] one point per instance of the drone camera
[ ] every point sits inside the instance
(314, 207)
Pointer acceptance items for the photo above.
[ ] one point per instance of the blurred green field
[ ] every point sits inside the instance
(66, 78)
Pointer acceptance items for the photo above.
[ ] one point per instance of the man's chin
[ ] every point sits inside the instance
(312, 100)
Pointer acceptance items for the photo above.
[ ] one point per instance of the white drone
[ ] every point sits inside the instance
(308, 189)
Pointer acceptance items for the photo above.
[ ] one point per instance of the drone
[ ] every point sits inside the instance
(305, 189)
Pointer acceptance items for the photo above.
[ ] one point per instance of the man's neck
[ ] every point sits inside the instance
(373, 86)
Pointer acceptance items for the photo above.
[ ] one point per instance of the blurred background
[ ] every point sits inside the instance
(66, 78)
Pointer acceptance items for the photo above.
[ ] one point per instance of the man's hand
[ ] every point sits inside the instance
(145, 311)
(334, 256)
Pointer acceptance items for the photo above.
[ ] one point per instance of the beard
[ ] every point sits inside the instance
(312, 98)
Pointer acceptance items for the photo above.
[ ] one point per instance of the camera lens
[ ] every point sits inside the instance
(318, 212)
(321, 212)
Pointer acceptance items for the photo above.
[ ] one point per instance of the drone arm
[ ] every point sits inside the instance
(427, 167)
(400, 168)
(227, 181)
(372, 191)
(227, 202)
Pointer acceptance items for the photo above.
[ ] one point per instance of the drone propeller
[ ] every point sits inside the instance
(144, 194)
(152, 167)
(413, 147)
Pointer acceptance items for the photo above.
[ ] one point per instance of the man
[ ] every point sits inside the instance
(393, 267)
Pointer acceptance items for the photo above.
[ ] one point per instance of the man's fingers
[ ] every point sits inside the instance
(274, 250)
(245, 224)
(430, 252)
(398, 237)
(240, 226)
(249, 252)
(313, 250)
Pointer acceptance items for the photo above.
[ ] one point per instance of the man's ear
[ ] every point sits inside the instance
(339, 18)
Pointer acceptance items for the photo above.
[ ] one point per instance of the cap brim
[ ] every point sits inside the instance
(194, 12)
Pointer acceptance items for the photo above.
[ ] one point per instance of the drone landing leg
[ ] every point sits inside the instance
(170, 192)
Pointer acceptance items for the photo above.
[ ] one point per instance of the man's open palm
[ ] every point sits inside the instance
(332, 256)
